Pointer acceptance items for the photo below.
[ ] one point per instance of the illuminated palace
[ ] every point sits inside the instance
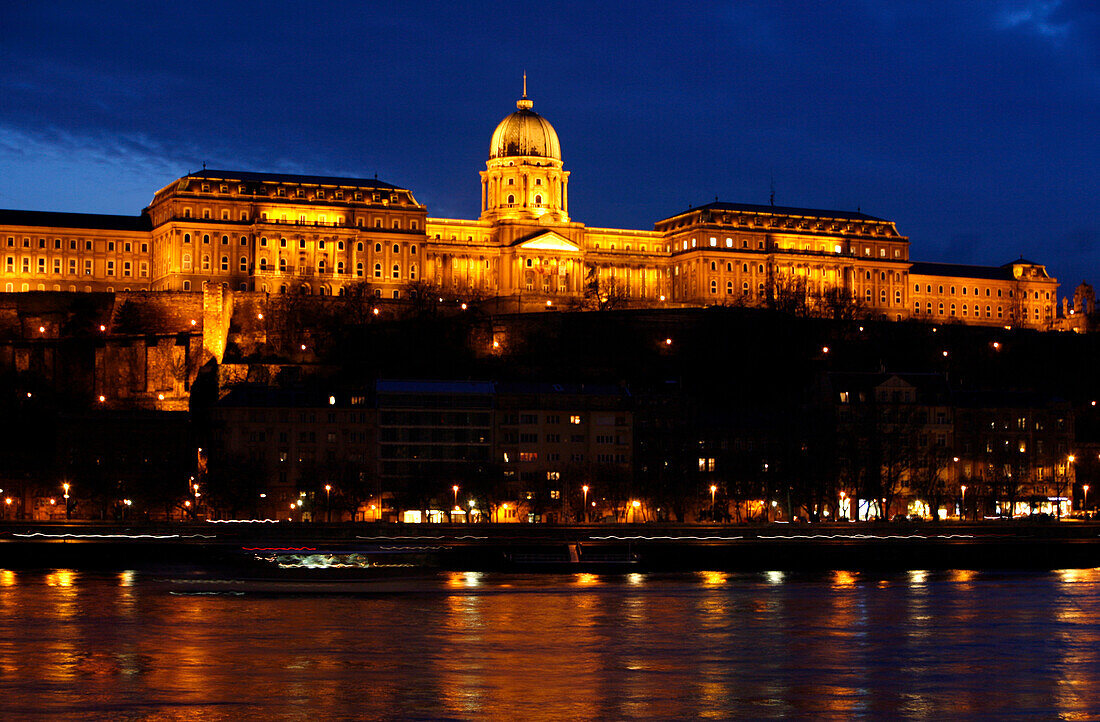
(278, 233)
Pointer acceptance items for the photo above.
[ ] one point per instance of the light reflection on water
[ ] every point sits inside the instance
(908, 645)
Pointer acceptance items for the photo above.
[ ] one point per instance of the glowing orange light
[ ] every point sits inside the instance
(668, 342)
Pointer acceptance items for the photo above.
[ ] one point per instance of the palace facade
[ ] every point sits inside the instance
(280, 233)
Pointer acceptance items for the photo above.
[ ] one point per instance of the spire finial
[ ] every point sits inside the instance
(523, 103)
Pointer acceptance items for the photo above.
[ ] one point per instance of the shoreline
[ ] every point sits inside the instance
(620, 548)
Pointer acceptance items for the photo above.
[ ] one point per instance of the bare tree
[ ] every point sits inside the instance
(603, 294)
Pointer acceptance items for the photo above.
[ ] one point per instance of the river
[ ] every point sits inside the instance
(465, 645)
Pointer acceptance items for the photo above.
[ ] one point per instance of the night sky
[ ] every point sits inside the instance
(974, 125)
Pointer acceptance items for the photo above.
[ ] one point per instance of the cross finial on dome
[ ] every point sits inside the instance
(524, 83)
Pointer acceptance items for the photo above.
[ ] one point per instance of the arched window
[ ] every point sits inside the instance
(412, 249)
(729, 288)
(282, 265)
(378, 270)
(377, 247)
(412, 272)
(225, 263)
(511, 199)
(244, 240)
(187, 261)
(321, 268)
(225, 240)
(359, 270)
(206, 238)
(339, 266)
(186, 237)
(714, 287)
(713, 266)
(359, 246)
(396, 248)
(729, 267)
(538, 200)
(396, 270)
(244, 264)
(263, 264)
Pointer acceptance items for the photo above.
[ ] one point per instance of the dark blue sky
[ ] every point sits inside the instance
(975, 125)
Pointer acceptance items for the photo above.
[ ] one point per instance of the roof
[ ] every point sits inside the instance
(532, 387)
(245, 175)
(75, 220)
(434, 387)
(993, 273)
(929, 384)
(784, 211)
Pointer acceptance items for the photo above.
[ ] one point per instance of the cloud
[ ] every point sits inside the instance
(1045, 18)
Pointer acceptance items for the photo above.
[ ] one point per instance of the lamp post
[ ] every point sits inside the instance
(456, 507)
(68, 511)
(713, 488)
(584, 490)
(963, 510)
(328, 503)
(842, 512)
(1085, 501)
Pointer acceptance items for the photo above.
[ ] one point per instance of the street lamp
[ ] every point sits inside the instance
(842, 513)
(963, 487)
(713, 488)
(636, 504)
(68, 512)
(1085, 501)
(584, 489)
(328, 502)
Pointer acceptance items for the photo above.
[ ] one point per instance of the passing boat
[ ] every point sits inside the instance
(379, 569)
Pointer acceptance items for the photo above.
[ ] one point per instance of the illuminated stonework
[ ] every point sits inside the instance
(279, 233)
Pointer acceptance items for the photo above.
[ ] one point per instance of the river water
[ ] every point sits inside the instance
(829, 645)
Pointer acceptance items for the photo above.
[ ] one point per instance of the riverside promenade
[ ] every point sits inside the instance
(1011, 544)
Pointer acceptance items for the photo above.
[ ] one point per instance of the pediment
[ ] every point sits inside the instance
(549, 241)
